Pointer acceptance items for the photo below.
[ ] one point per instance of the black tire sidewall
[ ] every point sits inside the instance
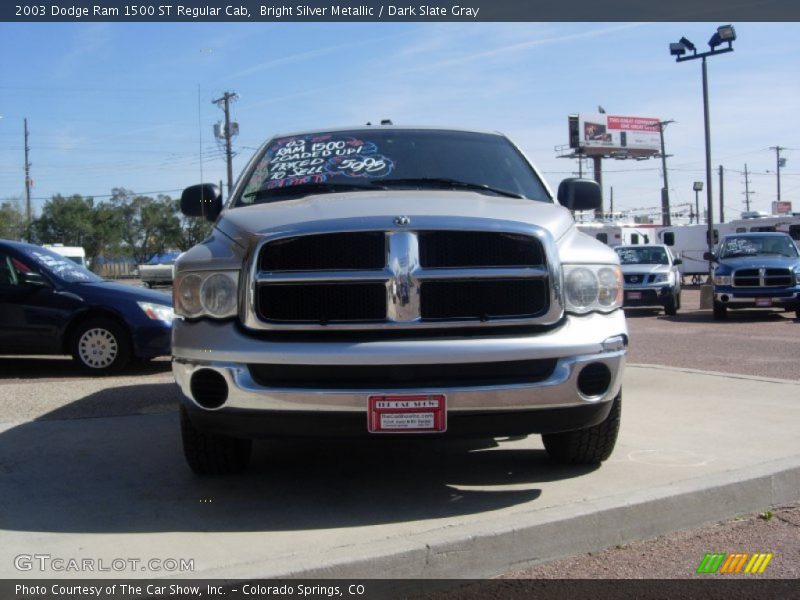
(121, 337)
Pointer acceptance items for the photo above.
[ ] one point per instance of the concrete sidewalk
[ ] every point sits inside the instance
(695, 447)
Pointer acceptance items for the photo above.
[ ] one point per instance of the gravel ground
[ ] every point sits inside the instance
(678, 555)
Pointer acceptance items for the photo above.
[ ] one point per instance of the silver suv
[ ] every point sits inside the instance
(651, 276)
(389, 281)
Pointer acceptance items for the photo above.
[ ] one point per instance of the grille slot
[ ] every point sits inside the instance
(374, 377)
(453, 249)
(322, 302)
(326, 252)
(482, 299)
(635, 277)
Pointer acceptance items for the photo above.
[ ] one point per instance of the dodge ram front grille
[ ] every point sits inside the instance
(763, 277)
(326, 252)
(401, 278)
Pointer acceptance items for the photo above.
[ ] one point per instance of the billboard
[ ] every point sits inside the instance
(613, 134)
(781, 208)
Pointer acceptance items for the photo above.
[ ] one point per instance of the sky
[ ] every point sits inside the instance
(130, 104)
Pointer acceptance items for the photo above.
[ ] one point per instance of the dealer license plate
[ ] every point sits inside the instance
(418, 413)
(763, 301)
(634, 295)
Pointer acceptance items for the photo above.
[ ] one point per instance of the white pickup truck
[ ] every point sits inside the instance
(396, 281)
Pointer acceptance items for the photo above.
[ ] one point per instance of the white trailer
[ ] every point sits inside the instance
(75, 253)
(689, 242)
(786, 224)
(608, 233)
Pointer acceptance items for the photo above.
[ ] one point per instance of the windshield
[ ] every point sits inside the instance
(60, 266)
(642, 256)
(754, 245)
(372, 159)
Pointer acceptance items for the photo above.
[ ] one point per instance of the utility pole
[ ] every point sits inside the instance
(611, 200)
(228, 134)
(747, 191)
(779, 162)
(27, 187)
(666, 218)
(721, 196)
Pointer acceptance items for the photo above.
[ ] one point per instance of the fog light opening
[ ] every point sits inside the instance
(594, 379)
(209, 388)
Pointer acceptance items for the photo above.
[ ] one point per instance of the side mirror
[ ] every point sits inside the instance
(709, 256)
(579, 194)
(677, 261)
(35, 280)
(202, 200)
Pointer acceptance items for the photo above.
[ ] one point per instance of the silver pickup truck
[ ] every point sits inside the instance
(395, 281)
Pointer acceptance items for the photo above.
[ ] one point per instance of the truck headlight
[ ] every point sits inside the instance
(662, 278)
(206, 294)
(722, 279)
(592, 288)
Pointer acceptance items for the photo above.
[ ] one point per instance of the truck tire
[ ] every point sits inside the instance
(588, 446)
(100, 346)
(720, 311)
(210, 454)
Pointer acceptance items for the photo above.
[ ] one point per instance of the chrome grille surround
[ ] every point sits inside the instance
(403, 275)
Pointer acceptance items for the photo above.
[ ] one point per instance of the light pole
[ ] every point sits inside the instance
(724, 34)
(697, 187)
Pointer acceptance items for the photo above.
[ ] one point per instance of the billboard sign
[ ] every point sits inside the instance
(602, 133)
(781, 208)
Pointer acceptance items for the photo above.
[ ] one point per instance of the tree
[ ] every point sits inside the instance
(12, 220)
(193, 230)
(67, 221)
(149, 225)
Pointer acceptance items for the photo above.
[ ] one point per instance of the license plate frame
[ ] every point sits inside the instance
(763, 302)
(407, 413)
(634, 295)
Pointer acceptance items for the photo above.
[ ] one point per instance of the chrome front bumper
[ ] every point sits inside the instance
(224, 348)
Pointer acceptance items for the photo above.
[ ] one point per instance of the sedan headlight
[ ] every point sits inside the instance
(722, 279)
(157, 312)
(592, 288)
(206, 294)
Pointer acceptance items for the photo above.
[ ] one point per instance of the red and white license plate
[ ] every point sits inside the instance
(634, 295)
(417, 413)
(763, 301)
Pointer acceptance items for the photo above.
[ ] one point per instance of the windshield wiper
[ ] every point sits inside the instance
(450, 183)
(304, 189)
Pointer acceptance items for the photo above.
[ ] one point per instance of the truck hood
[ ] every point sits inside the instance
(363, 210)
(645, 269)
(755, 262)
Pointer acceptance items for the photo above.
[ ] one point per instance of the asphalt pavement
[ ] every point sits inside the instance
(93, 468)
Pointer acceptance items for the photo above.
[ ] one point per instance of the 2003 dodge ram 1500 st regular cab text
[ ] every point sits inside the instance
(393, 281)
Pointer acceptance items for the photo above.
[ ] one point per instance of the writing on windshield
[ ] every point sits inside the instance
(308, 159)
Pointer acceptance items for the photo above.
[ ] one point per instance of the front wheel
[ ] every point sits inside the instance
(720, 311)
(671, 307)
(101, 346)
(588, 446)
(211, 454)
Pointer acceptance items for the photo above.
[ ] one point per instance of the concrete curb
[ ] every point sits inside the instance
(498, 546)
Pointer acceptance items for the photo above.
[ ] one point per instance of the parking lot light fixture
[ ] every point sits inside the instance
(724, 34)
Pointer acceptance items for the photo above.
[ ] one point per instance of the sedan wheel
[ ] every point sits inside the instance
(101, 346)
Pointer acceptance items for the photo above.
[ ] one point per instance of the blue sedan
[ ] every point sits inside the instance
(51, 305)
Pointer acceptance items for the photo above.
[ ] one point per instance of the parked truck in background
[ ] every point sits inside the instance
(389, 281)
